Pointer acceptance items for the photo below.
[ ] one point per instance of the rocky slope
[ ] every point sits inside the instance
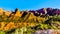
(29, 20)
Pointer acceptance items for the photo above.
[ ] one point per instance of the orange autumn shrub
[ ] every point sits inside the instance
(6, 28)
(9, 26)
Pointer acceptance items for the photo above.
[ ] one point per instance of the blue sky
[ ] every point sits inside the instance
(28, 4)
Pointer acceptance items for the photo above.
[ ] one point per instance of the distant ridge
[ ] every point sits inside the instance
(43, 11)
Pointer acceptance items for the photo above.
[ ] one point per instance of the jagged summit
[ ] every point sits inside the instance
(16, 10)
(43, 11)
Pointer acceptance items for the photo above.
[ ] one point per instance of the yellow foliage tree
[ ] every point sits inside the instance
(18, 13)
(2, 25)
(9, 26)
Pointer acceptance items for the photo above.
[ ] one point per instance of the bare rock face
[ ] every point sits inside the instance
(58, 31)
